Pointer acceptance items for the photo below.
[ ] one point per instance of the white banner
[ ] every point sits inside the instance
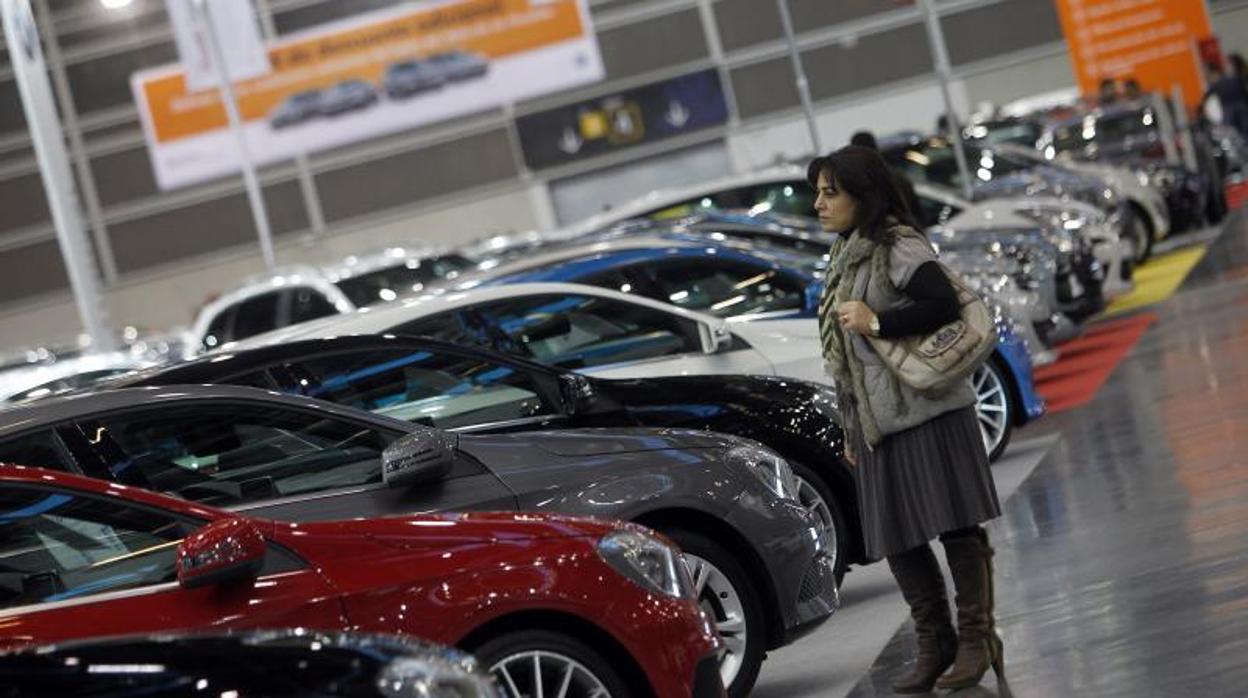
(369, 75)
(237, 30)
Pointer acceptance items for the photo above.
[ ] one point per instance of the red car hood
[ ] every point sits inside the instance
(448, 530)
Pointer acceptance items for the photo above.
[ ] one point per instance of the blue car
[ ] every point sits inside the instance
(772, 286)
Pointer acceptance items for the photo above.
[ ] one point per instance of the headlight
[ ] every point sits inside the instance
(417, 678)
(647, 561)
(772, 470)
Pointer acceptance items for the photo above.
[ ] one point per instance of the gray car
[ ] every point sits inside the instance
(758, 557)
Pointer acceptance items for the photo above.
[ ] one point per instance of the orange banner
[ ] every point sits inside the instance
(318, 60)
(1150, 41)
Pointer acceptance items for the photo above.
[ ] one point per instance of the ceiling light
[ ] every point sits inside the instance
(115, 4)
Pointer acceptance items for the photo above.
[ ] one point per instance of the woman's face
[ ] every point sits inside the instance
(836, 209)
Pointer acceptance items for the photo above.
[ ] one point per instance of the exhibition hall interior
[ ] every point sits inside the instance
(623, 348)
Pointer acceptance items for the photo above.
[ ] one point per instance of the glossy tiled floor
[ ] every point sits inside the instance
(1122, 561)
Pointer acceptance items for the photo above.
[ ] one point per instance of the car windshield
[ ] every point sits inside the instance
(934, 162)
(410, 276)
(1106, 130)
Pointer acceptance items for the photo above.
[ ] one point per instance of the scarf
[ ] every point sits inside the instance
(848, 254)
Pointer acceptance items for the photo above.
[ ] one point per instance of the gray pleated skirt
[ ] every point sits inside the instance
(922, 482)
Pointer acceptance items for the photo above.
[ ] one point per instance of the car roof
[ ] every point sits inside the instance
(283, 277)
(17, 473)
(380, 318)
(19, 380)
(53, 410)
(392, 256)
(222, 362)
(662, 198)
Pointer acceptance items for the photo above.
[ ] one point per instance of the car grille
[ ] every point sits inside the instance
(819, 580)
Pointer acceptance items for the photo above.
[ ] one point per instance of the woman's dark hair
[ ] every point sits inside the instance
(863, 174)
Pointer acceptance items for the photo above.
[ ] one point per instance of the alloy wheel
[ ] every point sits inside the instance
(810, 499)
(545, 673)
(992, 406)
(722, 603)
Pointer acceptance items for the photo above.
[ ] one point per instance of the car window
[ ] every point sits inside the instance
(39, 449)
(724, 287)
(411, 276)
(578, 331)
(446, 327)
(794, 197)
(433, 388)
(56, 545)
(309, 304)
(255, 315)
(231, 454)
(221, 329)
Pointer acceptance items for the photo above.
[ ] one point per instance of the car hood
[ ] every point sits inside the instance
(449, 530)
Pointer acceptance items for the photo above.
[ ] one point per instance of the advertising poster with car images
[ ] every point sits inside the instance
(370, 75)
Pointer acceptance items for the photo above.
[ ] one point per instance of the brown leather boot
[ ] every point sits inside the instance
(979, 646)
(923, 587)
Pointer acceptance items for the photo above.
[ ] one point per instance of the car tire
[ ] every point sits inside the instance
(817, 498)
(729, 597)
(1142, 235)
(510, 658)
(994, 408)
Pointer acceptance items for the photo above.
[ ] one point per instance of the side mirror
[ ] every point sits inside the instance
(224, 551)
(424, 455)
(577, 392)
(715, 336)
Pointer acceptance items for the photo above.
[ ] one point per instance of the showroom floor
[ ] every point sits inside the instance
(1122, 557)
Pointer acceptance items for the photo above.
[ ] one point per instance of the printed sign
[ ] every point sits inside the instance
(237, 32)
(373, 74)
(1152, 41)
(622, 120)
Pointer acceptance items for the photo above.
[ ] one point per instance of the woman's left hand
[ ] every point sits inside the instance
(855, 316)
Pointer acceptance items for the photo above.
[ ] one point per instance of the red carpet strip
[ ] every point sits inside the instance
(1087, 361)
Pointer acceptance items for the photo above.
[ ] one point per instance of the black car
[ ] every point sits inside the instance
(379, 373)
(262, 663)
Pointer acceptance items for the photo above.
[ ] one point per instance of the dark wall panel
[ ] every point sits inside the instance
(655, 43)
(1001, 28)
(22, 202)
(31, 270)
(11, 116)
(399, 180)
(764, 87)
(123, 176)
(104, 82)
(747, 22)
(202, 228)
(874, 61)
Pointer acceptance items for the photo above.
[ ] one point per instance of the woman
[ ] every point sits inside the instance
(919, 459)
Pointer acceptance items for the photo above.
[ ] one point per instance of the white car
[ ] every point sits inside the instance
(608, 333)
(300, 293)
(1061, 217)
(41, 380)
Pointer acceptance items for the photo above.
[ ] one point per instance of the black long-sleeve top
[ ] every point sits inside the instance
(935, 304)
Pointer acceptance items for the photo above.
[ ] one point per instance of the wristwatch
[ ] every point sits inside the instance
(874, 326)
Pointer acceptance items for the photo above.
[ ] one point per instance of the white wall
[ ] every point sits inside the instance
(1043, 73)
(1231, 28)
(911, 106)
(171, 296)
(580, 197)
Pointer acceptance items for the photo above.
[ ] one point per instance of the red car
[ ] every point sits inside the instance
(552, 605)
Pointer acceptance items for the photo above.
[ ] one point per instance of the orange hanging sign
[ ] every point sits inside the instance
(1151, 41)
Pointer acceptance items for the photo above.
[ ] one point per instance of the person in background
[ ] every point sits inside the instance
(1239, 68)
(919, 463)
(1108, 92)
(866, 139)
(1232, 98)
(1131, 89)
